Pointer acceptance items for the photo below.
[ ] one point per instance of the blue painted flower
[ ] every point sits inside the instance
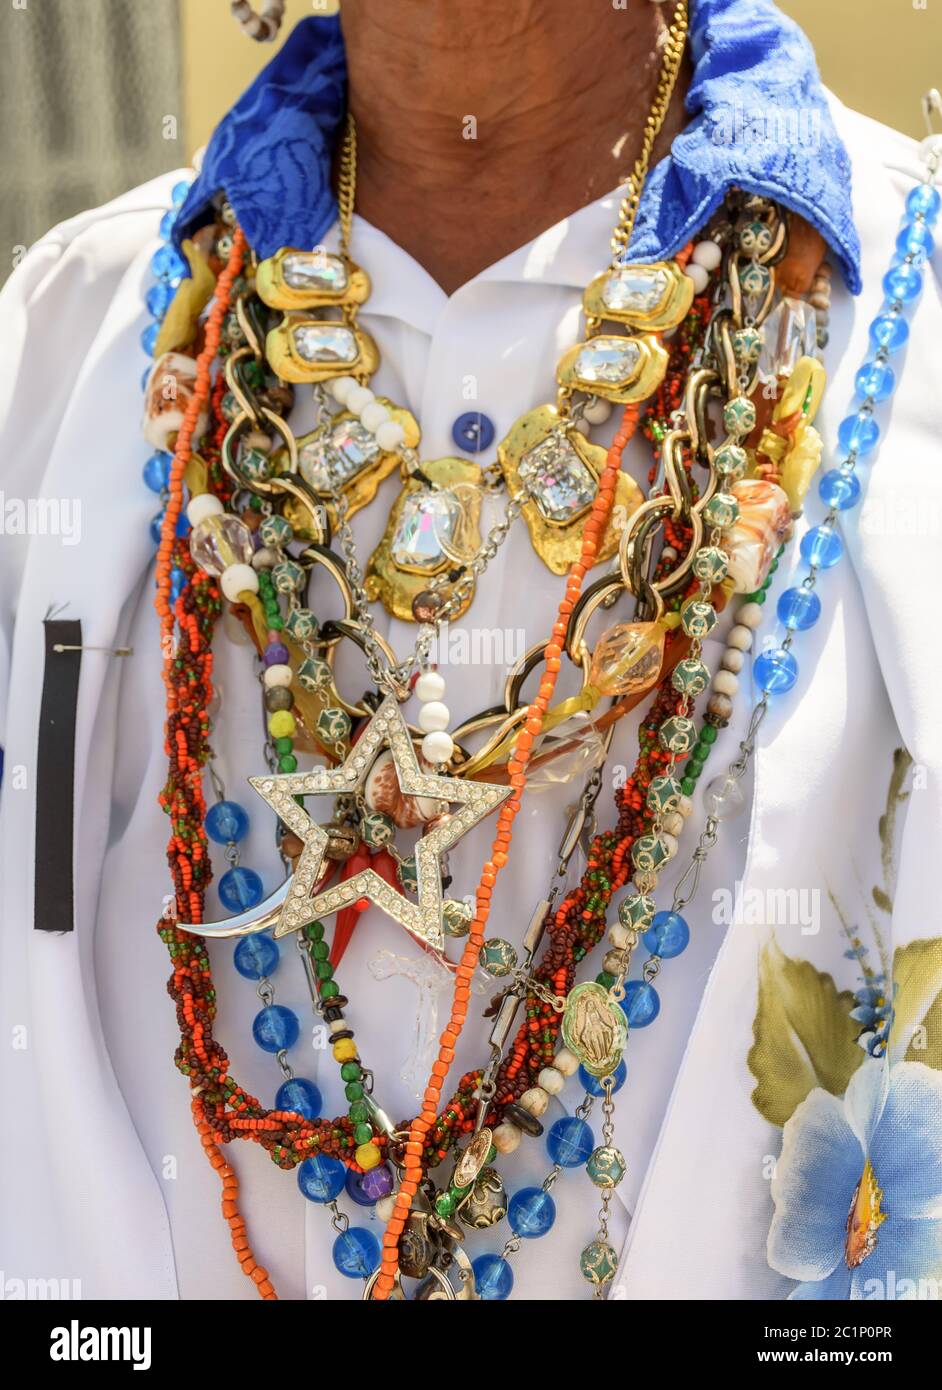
(858, 1188)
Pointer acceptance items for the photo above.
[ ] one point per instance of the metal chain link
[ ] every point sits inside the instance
(384, 677)
(476, 566)
(396, 678)
(347, 182)
(667, 80)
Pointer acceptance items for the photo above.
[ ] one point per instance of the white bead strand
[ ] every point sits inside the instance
(434, 718)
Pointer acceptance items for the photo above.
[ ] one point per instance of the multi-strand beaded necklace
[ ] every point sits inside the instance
(720, 536)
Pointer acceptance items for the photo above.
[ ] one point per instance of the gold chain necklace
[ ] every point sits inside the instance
(401, 585)
(674, 45)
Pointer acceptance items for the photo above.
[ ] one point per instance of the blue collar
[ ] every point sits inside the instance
(759, 121)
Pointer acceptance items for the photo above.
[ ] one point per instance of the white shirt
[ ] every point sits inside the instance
(105, 1181)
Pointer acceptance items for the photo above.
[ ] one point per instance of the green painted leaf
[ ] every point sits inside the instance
(804, 1035)
(917, 975)
(882, 900)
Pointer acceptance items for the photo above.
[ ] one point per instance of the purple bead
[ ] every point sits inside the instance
(371, 1186)
(276, 654)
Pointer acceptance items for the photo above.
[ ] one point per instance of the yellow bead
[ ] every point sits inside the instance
(367, 1156)
(345, 1050)
(281, 724)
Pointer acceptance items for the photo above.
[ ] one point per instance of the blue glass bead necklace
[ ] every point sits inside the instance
(775, 670)
(168, 268)
(276, 1029)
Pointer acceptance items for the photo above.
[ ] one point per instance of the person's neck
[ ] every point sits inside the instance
(480, 123)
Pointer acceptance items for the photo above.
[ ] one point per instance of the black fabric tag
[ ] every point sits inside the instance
(55, 778)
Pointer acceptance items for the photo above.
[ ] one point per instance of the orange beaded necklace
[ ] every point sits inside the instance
(517, 767)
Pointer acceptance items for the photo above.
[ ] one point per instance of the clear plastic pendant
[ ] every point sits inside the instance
(573, 749)
(789, 332)
(431, 979)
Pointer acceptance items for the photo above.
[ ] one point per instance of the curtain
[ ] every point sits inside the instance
(90, 105)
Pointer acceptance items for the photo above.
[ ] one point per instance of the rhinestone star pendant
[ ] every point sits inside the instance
(387, 729)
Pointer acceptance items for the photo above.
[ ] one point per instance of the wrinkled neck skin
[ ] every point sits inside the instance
(482, 122)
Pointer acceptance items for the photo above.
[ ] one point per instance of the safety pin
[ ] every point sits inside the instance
(115, 651)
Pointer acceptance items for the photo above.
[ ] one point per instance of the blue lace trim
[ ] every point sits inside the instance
(759, 121)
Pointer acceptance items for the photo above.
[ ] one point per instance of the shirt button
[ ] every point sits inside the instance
(473, 432)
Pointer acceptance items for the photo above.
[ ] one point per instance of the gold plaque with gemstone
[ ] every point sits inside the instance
(296, 279)
(430, 530)
(307, 349)
(561, 468)
(357, 463)
(652, 297)
(619, 367)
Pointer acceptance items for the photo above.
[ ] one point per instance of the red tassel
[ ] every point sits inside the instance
(348, 916)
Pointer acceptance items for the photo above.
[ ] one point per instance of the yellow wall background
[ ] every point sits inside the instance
(879, 56)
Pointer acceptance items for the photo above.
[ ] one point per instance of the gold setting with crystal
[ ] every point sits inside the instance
(360, 489)
(288, 363)
(392, 583)
(273, 289)
(559, 544)
(641, 381)
(670, 310)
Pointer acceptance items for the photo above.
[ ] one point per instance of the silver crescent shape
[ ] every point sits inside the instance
(255, 919)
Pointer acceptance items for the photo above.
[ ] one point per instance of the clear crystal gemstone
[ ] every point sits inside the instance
(724, 798)
(426, 526)
(220, 540)
(325, 342)
(559, 481)
(337, 456)
(790, 332)
(638, 288)
(572, 749)
(611, 360)
(314, 270)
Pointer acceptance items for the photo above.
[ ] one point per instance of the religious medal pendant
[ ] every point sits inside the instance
(594, 1028)
(476, 1193)
(545, 457)
(433, 529)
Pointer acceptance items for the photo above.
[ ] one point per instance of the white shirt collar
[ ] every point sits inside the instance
(568, 254)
